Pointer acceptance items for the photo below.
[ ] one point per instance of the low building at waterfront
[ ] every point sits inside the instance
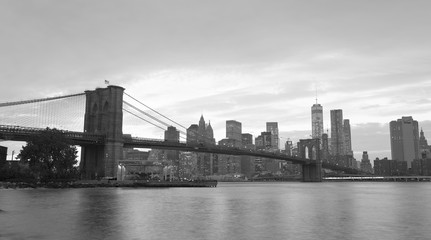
(3, 155)
(386, 167)
(421, 167)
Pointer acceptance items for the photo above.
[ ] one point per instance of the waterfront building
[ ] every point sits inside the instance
(404, 135)
(316, 121)
(3, 155)
(157, 155)
(272, 127)
(366, 163)
(248, 166)
(337, 133)
(234, 130)
(386, 167)
(135, 155)
(421, 167)
(188, 165)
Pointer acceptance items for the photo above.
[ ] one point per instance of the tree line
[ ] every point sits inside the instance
(48, 156)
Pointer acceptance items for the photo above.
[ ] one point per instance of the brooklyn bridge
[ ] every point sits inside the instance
(102, 140)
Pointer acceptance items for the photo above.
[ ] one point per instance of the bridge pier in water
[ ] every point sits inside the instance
(103, 114)
(310, 149)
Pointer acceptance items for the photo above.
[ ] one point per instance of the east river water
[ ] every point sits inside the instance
(329, 210)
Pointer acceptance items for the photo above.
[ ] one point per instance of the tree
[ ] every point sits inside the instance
(50, 155)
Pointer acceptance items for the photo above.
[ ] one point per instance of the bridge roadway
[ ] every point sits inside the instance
(181, 146)
(18, 133)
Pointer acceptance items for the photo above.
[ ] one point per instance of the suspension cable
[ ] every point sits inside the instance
(143, 119)
(150, 116)
(6, 104)
(155, 111)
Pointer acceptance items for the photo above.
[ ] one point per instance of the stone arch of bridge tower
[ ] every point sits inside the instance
(306, 155)
(310, 149)
(103, 115)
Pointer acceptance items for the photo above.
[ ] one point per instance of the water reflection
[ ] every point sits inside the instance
(230, 211)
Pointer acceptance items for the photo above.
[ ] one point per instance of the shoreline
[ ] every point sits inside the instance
(107, 184)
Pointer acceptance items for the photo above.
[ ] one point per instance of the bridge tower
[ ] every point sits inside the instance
(103, 115)
(310, 149)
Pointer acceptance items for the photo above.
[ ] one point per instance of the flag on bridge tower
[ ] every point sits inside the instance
(106, 82)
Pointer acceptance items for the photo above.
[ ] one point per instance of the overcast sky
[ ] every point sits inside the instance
(250, 61)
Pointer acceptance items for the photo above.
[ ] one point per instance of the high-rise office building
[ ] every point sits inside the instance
(272, 127)
(172, 135)
(203, 134)
(337, 133)
(366, 163)
(423, 143)
(325, 148)
(404, 140)
(288, 147)
(258, 141)
(267, 140)
(424, 148)
(316, 121)
(234, 130)
(347, 138)
(247, 139)
(192, 133)
(3, 155)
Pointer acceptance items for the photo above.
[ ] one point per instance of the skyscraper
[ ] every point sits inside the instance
(337, 132)
(247, 139)
(202, 134)
(288, 147)
(272, 127)
(325, 148)
(347, 138)
(172, 135)
(316, 121)
(404, 140)
(424, 149)
(192, 134)
(366, 163)
(233, 130)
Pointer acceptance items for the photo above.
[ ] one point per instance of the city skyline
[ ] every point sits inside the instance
(251, 61)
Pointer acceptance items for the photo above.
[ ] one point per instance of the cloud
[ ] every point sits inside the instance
(252, 61)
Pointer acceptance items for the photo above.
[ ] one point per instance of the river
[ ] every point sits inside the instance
(281, 210)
